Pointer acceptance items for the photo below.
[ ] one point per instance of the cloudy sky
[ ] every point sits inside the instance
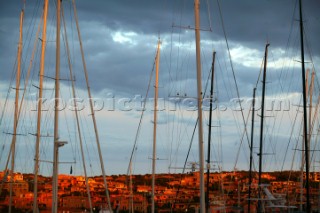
(120, 38)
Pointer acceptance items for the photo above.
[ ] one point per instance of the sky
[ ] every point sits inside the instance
(119, 40)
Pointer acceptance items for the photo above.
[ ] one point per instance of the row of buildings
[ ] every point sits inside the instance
(228, 192)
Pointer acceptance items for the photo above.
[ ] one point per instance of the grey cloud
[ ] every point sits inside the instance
(126, 67)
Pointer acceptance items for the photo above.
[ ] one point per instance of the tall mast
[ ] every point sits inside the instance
(16, 110)
(76, 112)
(56, 117)
(305, 127)
(310, 103)
(209, 133)
(131, 209)
(251, 146)
(199, 96)
(39, 108)
(302, 154)
(91, 108)
(261, 124)
(154, 155)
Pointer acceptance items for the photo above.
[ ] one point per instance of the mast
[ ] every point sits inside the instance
(302, 155)
(261, 124)
(199, 96)
(251, 147)
(154, 155)
(305, 127)
(311, 123)
(56, 117)
(39, 108)
(209, 133)
(131, 209)
(16, 110)
(76, 112)
(91, 108)
(310, 103)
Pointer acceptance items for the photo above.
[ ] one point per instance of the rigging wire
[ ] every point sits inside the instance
(141, 118)
(135, 143)
(12, 77)
(190, 144)
(233, 74)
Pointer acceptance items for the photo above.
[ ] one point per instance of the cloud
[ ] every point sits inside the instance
(119, 40)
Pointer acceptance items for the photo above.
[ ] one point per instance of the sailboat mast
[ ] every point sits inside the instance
(91, 108)
(209, 133)
(199, 96)
(56, 117)
(76, 111)
(131, 209)
(39, 108)
(16, 110)
(302, 156)
(261, 124)
(310, 103)
(154, 155)
(251, 147)
(305, 127)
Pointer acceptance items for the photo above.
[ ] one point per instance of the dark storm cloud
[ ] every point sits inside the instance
(245, 21)
(125, 67)
(258, 21)
(140, 16)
